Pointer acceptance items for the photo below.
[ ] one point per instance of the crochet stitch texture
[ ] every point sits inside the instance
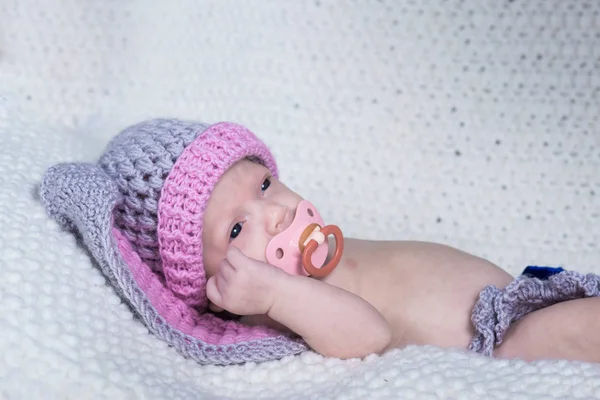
(140, 213)
(184, 199)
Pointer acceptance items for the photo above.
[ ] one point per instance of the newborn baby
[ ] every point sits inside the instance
(383, 295)
(182, 217)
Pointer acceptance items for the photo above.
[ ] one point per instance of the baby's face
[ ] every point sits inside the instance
(247, 208)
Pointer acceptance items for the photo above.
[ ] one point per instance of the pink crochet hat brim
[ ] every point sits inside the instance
(184, 198)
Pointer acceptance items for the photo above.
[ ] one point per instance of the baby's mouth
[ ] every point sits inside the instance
(285, 249)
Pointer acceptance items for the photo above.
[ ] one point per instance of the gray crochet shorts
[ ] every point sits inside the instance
(534, 289)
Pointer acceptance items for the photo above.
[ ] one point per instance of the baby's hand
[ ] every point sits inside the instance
(243, 286)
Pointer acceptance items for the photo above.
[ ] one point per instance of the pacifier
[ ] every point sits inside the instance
(302, 248)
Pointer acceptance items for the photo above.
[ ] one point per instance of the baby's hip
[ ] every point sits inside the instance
(536, 288)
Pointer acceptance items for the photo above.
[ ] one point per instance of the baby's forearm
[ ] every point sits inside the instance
(333, 321)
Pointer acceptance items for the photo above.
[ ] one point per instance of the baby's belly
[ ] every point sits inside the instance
(429, 292)
(444, 321)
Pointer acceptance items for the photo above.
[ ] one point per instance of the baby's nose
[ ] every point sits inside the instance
(278, 219)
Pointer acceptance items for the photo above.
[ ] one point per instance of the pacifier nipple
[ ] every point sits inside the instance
(317, 236)
(302, 248)
(311, 233)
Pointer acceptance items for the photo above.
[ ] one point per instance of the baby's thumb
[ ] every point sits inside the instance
(212, 292)
(236, 257)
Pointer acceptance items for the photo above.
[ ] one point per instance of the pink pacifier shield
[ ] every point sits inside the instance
(283, 250)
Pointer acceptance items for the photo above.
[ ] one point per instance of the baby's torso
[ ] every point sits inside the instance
(426, 291)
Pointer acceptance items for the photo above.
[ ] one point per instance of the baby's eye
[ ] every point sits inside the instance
(237, 228)
(265, 185)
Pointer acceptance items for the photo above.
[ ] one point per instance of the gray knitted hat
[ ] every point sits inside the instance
(140, 210)
(139, 160)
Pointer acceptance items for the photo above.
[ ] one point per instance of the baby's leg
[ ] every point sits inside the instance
(568, 330)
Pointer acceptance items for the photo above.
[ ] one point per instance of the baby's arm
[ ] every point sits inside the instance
(334, 322)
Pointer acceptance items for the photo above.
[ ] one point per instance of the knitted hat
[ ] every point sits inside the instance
(140, 212)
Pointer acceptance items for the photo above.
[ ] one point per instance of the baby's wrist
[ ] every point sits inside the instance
(280, 287)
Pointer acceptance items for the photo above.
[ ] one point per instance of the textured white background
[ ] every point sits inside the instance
(472, 123)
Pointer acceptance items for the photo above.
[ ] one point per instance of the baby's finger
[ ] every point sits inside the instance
(226, 270)
(236, 258)
(213, 307)
(213, 293)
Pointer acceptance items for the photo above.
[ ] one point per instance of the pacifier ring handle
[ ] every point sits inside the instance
(312, 245)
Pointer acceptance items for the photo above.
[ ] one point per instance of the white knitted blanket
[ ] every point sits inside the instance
(468, 122)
